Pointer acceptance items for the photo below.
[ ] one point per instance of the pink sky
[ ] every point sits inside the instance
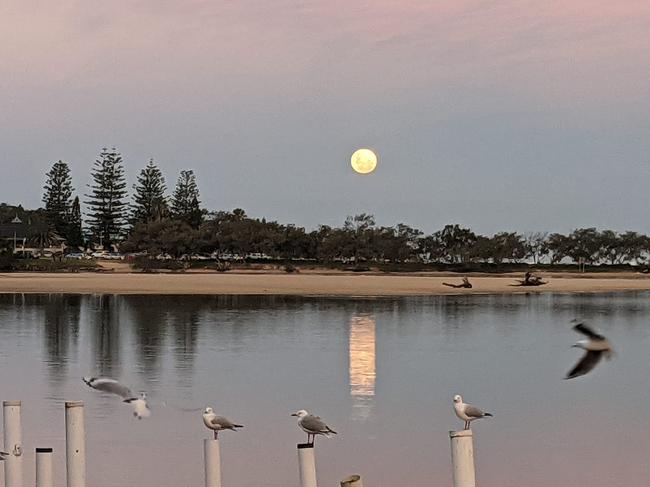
(595, 46)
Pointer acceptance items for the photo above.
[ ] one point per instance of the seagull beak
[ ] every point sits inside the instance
(294, 414)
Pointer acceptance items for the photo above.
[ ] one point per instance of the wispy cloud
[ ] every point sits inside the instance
(383, 45)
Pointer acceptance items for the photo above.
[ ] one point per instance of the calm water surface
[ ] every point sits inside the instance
(382, 372)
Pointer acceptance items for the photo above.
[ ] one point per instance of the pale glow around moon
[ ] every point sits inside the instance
(364, 161)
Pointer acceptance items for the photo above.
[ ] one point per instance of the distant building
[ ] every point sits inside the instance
(31, 237)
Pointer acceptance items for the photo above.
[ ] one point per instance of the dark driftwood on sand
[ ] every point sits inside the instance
(530, 280)
(465, 284)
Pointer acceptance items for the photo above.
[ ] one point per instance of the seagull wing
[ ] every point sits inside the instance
(111, 386)
(225, 423)
(585, 365)
(473, 411)
(314, 424)
(588, 332)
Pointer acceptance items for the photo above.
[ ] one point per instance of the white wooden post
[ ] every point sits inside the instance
(307, 464)
(44, 476)
(13, 444)
(462, 458)
(212, 459)
(75, 444)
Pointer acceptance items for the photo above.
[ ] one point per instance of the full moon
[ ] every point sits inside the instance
(364, 161)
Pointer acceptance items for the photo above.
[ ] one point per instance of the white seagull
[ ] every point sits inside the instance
(105, 384)
(139, 405)
(312, 425)
(218, 423)
(467, 412)
(595, 347)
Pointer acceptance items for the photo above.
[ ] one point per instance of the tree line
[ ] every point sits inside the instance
(110, 217)
(361, 240)
(155, 222)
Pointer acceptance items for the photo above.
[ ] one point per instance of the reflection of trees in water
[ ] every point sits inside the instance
(154, 318)
(185, 326)
(61, 326)
(597, 306)
(104, 326)
(57, 316)
(21, 308)
(149, 321)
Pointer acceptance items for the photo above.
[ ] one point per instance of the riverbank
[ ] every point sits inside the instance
(330, 284)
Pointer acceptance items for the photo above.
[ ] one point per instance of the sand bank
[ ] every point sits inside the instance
(301, 284)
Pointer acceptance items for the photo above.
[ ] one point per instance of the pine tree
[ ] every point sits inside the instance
(108, 210)
(195, 215)
(58, 197)
(74, 234)
(150, 203)
(185, 200)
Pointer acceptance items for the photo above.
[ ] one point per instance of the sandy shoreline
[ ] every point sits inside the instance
(302, 284)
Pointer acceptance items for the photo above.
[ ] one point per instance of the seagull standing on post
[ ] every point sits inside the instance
(467, 412)
(312, 425)
(218, 423)
(595, 347)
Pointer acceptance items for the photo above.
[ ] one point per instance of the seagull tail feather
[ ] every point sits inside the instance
(488, 414)
(573, 376)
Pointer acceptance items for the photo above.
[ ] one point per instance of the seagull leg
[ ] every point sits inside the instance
(216, 433)
(466, 425)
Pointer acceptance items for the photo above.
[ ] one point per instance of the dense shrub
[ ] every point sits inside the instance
(47, 265)
(147, 264)
(7, 262)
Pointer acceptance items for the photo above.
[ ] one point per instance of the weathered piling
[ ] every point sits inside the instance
(462, 458)
(75, 444)
(307, 465)
(44, 474)
(13, 444)
(352, 481)
(212, 459)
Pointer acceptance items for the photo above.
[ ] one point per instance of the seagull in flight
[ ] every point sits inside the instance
(595, 347)
(467, 412)
(111, 386)
(218, 423)
(312, 425)
(139, 405)
(106, 384)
